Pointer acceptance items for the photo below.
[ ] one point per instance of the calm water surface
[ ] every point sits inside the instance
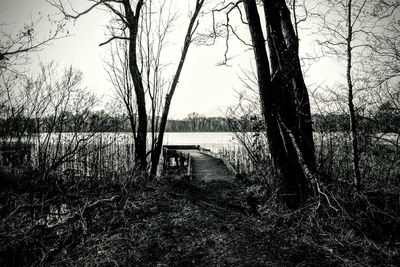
(211, 140)
(200, 138)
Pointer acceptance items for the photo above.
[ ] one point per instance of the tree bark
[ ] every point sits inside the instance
(302, 101)
(141, 138)
(279, 94)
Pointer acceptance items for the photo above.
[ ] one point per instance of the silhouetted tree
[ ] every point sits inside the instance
(284, 99)
(132, 23)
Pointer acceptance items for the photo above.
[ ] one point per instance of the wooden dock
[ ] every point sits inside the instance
(197, 163)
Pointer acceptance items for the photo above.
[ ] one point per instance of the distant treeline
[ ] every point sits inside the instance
(380, 122)
(104, 122)
(384, 121)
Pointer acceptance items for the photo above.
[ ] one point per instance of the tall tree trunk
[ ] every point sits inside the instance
(278, 94)
(353, 118)
(303, 110)
(141, 138)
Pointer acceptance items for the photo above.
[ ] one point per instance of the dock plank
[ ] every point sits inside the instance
(208, 168)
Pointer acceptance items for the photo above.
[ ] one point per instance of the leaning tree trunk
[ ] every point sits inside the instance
(164, 118)
(285, 108)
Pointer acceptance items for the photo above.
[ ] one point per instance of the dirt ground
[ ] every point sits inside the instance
(175, 222)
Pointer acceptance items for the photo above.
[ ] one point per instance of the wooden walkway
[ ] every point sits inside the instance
(199, 163)
(208, 168)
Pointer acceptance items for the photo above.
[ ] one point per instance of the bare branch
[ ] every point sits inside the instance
(114, 38)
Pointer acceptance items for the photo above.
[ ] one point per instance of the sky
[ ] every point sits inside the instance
(204, 87)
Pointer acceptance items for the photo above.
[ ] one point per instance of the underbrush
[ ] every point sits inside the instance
(339, 226)
(344, 227)
(317, 235)
(177, 222)
(43, 217)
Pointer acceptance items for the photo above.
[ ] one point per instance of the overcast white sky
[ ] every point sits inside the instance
(203, 88)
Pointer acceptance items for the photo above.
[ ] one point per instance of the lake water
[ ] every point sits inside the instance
(210, 140)
(205, 139)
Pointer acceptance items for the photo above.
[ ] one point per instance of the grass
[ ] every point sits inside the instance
(173, 222)
(118, 220)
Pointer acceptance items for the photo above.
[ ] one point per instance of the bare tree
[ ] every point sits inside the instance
(247, 125)
(385, 42)
(130, 22)
(44, 108)
(118, 73)
(285, 100)
(14, 48)
(191, 29)
(348, 28)
(283, 95)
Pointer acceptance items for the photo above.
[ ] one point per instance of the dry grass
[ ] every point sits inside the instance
(178, 223)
